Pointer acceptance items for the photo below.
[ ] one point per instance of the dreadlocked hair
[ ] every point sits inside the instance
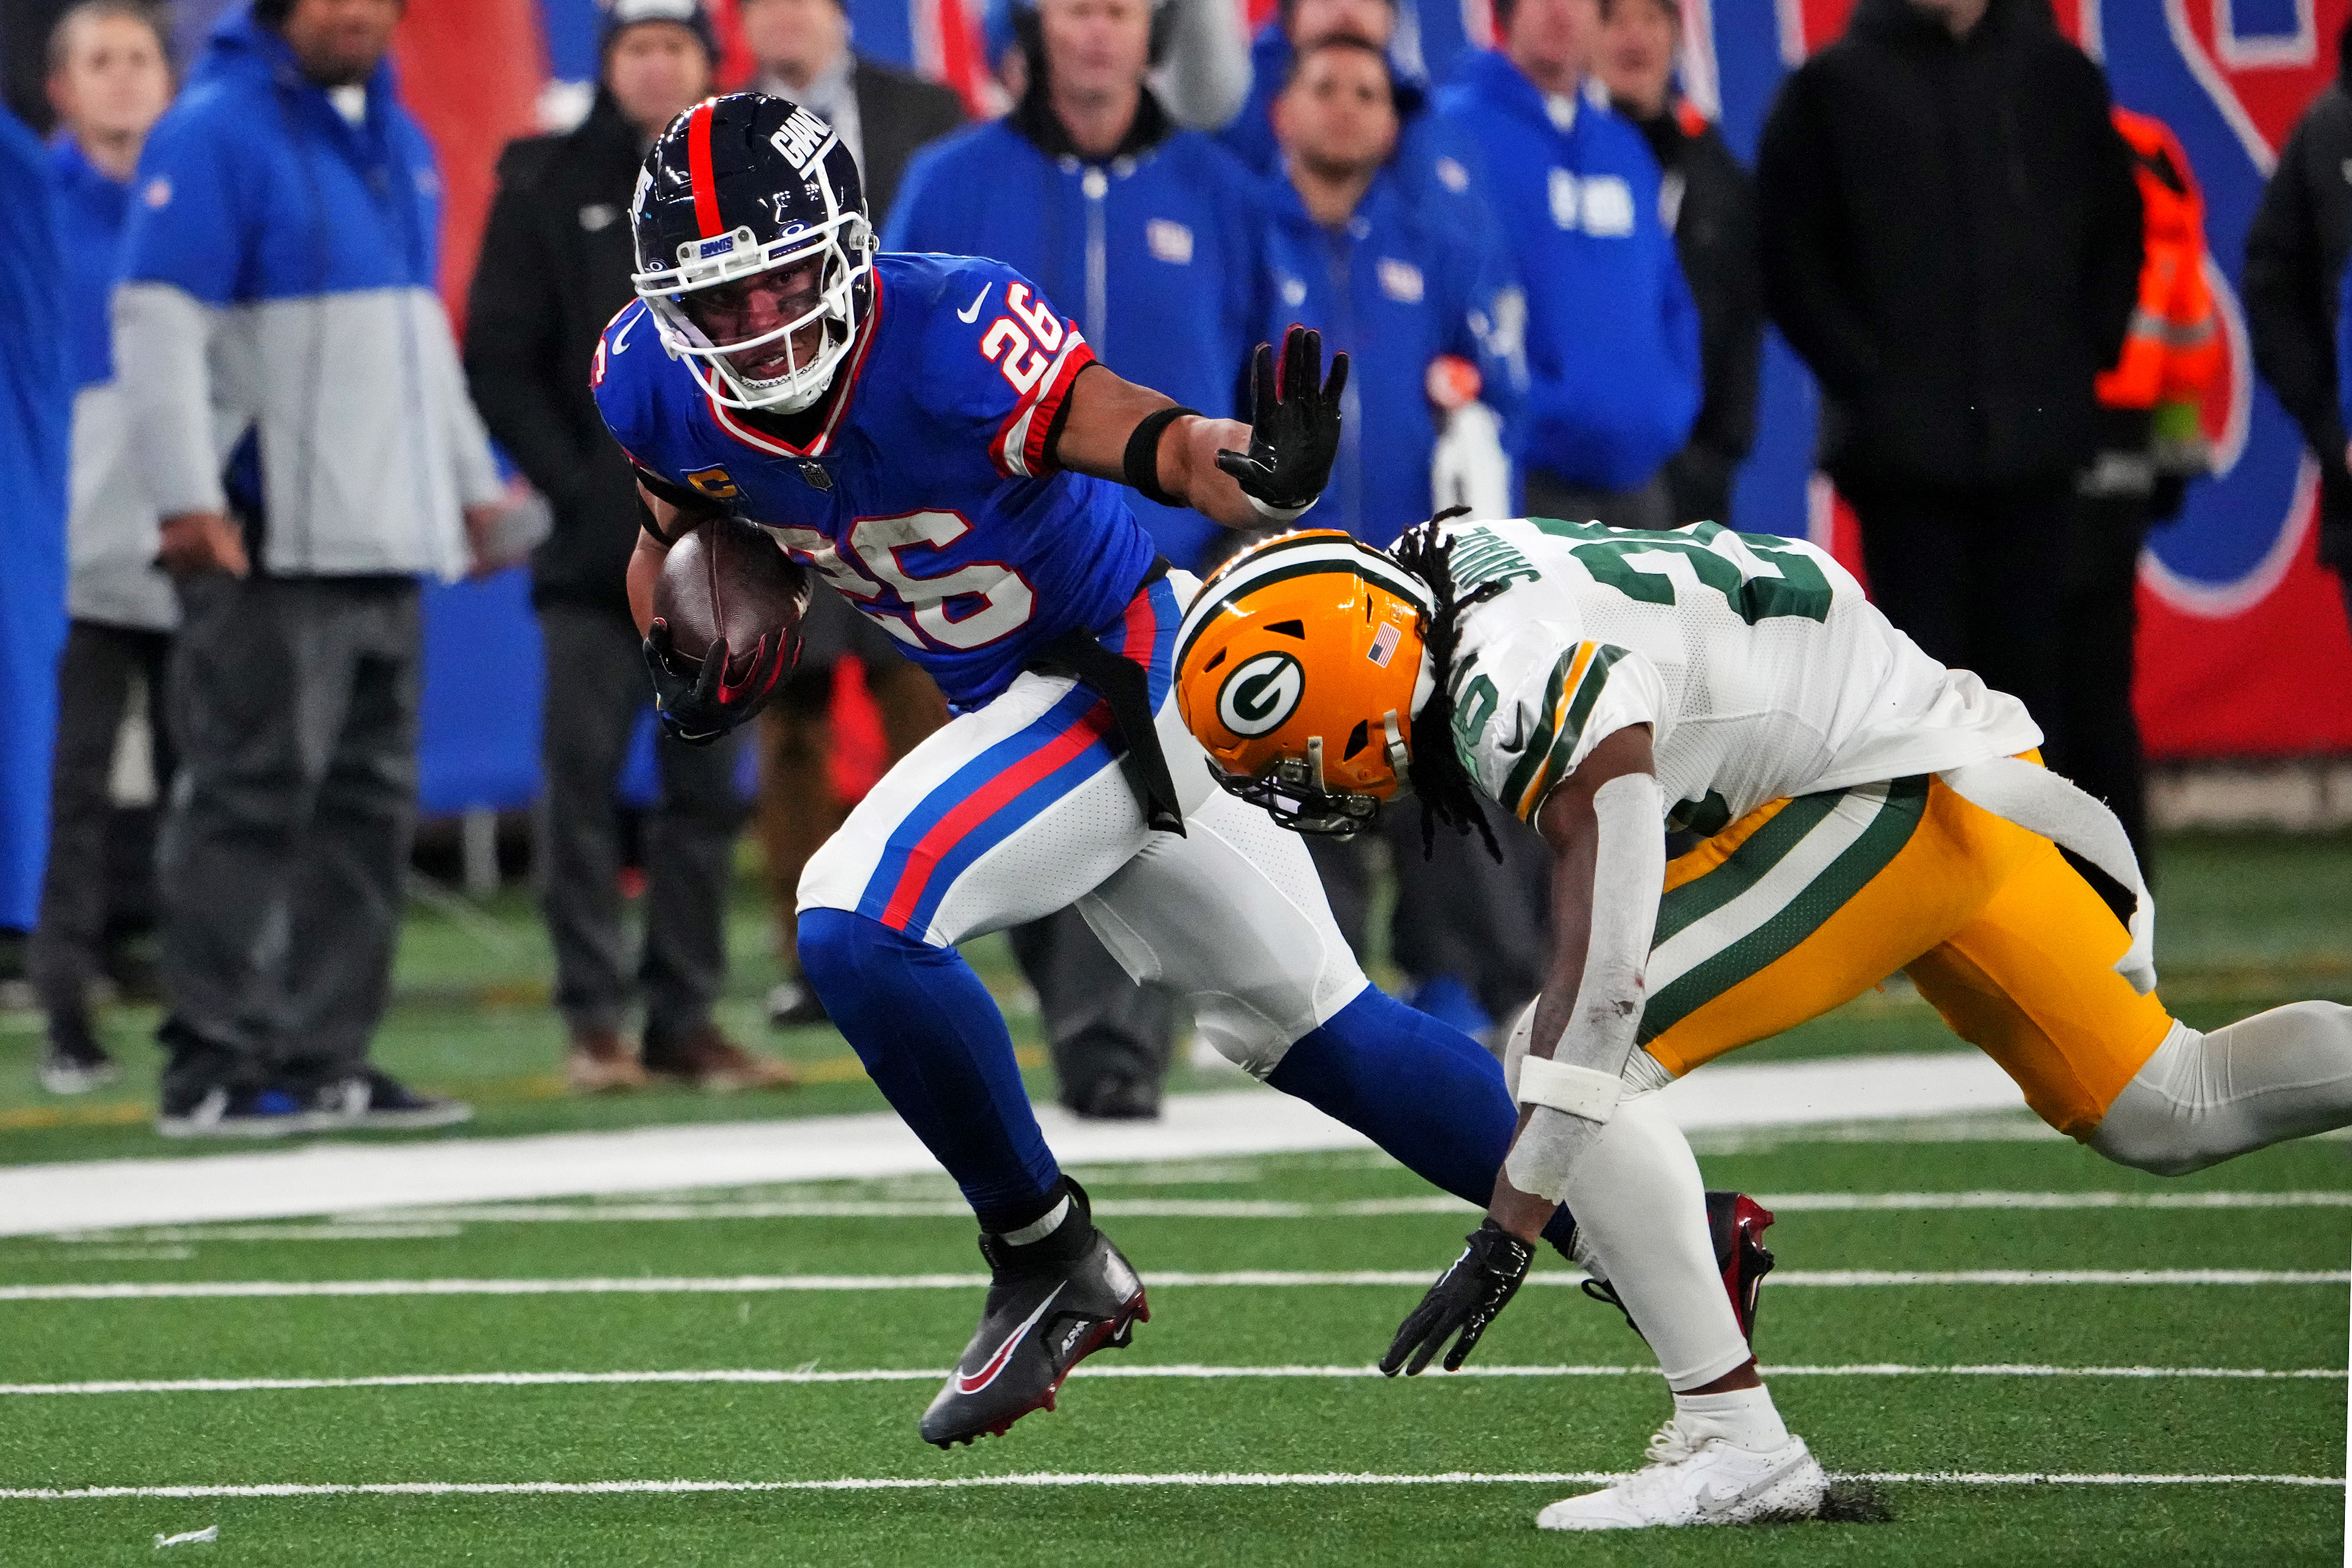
(1447, 792)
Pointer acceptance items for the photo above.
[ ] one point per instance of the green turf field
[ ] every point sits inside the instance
(739, 1371)
(2081, 1379)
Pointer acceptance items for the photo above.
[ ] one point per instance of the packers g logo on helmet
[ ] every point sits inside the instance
(1297, 668)
(1260, 693)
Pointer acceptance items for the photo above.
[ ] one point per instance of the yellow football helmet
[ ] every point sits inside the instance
(1297, 668)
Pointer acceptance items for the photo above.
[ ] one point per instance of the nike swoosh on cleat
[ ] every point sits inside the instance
(1715, 1497)
(971, 312)
(972, 1383)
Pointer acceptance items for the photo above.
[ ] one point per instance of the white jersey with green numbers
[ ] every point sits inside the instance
(1760, 668)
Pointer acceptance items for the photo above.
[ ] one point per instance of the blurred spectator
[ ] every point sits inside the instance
(1351, 252)
(36, 416)
(109, 81)
(2151, 443)
(1613, 339)
(2296, 253)
(1956, 272)
(554, 269)
(1152, 235)
(1415, 299)
(885, 116)
(1430, 153)
(1203, 76)
(881, 113)
(302, 428)
(1706, 201)
(800, 806)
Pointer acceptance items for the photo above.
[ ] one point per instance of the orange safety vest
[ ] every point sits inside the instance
(2174, 350)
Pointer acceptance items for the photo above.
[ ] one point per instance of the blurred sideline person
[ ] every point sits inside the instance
(1359, 253)
(1432, 155)
(302, 428)
(1612, 339)
(1705, 199)
(882, 114)
(2296, 251)
(1153, 235)
(1956, 276)
(2151, 445)
(1201, 80)
(554, 269)
(109, 81)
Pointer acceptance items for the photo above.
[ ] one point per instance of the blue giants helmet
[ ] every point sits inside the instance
(735, 187)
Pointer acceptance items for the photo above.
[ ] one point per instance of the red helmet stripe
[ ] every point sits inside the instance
(697, 168)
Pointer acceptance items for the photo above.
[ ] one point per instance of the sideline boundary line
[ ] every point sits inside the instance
(1202, 1479)
(1181, 1371)
(757, 1284)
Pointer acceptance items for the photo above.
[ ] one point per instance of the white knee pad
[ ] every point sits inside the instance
(2203, 1098)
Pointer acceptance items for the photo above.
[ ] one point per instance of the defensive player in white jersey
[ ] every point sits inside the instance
(1860, 809)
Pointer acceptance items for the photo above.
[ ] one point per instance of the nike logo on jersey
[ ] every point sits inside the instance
(1518, 730)
(973, 1381)
(970, 313)
(621, 339)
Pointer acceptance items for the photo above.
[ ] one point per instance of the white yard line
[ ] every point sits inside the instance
(332, 1177)
(1181, 1370)
(445, 1221)
(1180, 1479)
(757, 1284)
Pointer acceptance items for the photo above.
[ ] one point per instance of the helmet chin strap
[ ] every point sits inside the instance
(1398, 758)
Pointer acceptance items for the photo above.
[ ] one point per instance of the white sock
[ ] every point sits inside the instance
(1641, 1209)
(1744, 1417)
(2202, 1098)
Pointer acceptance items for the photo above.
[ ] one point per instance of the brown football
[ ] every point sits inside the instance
(728, 579)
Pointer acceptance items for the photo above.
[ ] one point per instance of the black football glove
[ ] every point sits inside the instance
(1294, 427)
(1466, 1297)
(698, 706)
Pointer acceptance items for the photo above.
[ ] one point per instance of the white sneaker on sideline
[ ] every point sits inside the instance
(1712, 1482)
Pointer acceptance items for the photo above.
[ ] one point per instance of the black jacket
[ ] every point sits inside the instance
(898, 113)
(1951, 239)
(1712, 210)
(554, 269)
(2296, 253)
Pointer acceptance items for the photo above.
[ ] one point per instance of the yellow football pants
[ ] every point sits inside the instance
(1804, 904)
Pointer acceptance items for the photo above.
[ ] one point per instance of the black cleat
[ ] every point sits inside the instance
(1051, 1304)
(1737, 1222)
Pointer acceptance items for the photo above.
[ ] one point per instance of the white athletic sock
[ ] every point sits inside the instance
(1640, 1207)
(1744, 1417)
(2202, 1098)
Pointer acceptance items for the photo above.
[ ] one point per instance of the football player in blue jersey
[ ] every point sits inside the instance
(937, 441)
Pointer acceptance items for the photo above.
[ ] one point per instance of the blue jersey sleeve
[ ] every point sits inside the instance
(188, 219)
(622, 376)
(998, 361)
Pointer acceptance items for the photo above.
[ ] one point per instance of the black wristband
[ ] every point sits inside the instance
(1142, 462)
(646, 521)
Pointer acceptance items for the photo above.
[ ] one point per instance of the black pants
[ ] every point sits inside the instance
(2098, 735)
(1976, 578)
(100, 878)
(1100, 1023)
(597, 689)
(1458, 912)
(285, 850)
